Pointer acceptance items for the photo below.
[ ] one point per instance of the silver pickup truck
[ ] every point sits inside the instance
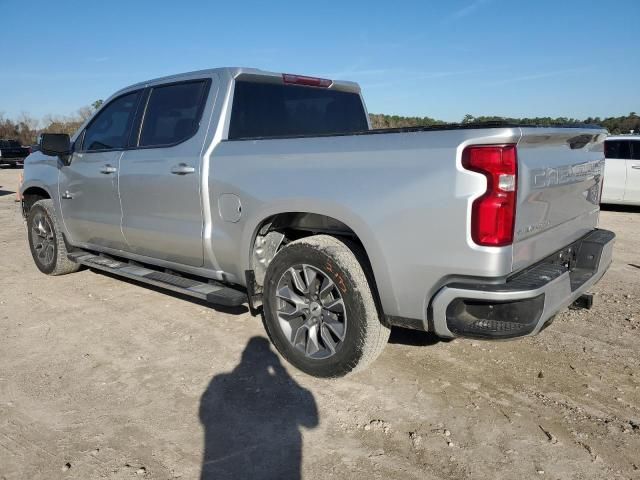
(236, 186)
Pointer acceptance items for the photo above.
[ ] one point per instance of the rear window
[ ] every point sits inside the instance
(173, 113)
(272, 110)
(617, 149)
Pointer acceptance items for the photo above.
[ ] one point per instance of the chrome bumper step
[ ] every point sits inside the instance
(212, 292)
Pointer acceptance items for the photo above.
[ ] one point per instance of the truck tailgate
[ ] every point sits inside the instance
(560, 173)
(14, 152)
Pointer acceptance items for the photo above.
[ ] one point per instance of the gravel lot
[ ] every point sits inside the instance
(101, 378)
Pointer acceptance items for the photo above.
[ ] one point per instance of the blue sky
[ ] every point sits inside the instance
(429, 58)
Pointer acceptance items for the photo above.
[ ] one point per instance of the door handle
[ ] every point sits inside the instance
(182, 169)
(636, 167)
(66, 195)
(107, 169)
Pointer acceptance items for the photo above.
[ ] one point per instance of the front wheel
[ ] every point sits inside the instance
(319, 310)
(47, 245)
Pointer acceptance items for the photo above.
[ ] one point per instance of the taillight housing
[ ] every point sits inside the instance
(493, 214)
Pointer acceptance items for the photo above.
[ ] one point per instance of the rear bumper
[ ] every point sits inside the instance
(526, 301)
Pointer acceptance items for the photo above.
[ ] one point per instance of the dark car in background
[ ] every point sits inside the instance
(12, 153)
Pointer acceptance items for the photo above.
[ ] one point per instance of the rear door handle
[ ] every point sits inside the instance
(107, 169)
(636, 167)
(182, 169)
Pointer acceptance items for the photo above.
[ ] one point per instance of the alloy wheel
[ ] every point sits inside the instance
(311, 311)
(43, 239)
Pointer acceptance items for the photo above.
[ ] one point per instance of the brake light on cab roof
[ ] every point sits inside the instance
(306, 81)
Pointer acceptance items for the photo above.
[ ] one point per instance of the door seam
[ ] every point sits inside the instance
(120, 201)
(59, 199)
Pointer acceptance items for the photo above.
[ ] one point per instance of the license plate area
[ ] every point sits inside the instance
(581, 258)
(567, 257)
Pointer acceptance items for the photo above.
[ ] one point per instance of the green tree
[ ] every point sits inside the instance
(468, 118)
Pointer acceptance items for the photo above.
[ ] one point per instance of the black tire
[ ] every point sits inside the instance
(50, 255)
(365, 336)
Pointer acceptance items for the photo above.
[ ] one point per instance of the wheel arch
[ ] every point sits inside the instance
(31, 194)
(304, 223)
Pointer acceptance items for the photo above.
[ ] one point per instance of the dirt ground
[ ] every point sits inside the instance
(101, 378)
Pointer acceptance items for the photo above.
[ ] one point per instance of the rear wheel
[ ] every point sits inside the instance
(319, 309)
(47, 245)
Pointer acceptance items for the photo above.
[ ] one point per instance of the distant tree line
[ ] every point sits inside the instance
(380, 120)
(26, 128)
(615, 125)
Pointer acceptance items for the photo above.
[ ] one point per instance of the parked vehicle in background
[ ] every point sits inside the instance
(12, 153)
(240, 186)
(622, 170)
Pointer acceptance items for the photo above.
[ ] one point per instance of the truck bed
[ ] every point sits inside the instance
(430, 128)
(406, 195)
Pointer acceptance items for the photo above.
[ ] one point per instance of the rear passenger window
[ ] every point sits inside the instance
(635, 150)
(617, 149)
(173, 113)
(110, 129)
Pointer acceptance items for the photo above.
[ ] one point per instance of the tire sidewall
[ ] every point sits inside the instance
(43, 268)
(350, 351)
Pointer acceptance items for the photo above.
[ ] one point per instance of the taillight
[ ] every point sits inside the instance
(307, 81)
(493, 214)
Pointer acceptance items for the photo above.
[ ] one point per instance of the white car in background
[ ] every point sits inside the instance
(622, 170)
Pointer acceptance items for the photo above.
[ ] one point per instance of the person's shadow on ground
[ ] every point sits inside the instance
(252, 418)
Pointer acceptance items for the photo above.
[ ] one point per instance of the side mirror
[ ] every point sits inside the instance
(55, 144)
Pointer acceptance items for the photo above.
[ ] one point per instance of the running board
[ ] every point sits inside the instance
(216, 293)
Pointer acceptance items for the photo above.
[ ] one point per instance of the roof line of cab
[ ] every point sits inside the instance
(235, 73)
